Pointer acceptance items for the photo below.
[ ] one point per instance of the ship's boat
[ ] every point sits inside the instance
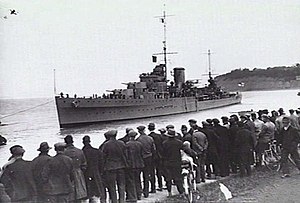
(153, 95)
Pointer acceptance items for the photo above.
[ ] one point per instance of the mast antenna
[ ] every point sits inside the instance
(164, 53)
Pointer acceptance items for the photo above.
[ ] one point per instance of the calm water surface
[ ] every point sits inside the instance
(37, 125)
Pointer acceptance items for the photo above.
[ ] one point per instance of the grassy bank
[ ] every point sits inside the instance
(242, 188)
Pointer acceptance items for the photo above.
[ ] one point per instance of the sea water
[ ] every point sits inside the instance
(31, 127)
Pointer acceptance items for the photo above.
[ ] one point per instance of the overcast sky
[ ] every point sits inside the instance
(95, 45)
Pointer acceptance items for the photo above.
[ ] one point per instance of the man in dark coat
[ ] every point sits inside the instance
(172, 162)
(200, 145)
(38, 164)
(58, 176)
(148, 152)
(18, 179)
(223, 147)
(290, 139)
(233, 152)
(134, 154)
(157, 156)
(212, 159)
(245, 146)
(92, 175)
(114, 157)
(79, 166)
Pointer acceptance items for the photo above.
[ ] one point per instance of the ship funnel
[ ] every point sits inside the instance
(179, 77)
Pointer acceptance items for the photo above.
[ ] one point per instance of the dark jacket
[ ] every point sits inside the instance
(79, 166)
(18, 180)
(114, 155)
(38, 165)
(94, 160)
(244, 141)
(223, 134)
(158, 145)
(58, 174)
(213, 140)
(134, 154)
(171, 151)
(200, 142)
(289, 138)
(148, 145)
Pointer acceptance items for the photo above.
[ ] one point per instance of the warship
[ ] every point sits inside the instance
(152, 96)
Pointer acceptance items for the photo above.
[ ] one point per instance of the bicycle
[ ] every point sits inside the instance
(271, 157)
(189, 180)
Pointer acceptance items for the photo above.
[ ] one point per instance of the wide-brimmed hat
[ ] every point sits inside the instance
(44, 147)
(171, 133)
(17, 150)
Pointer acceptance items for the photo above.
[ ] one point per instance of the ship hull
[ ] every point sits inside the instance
(72, 112)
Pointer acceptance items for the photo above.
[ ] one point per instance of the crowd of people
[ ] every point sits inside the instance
(217, 147)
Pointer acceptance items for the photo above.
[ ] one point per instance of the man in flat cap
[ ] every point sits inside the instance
(172, 162)
(294, 119)
(148, 152)
(157, 157)
(193, 125)
(225, 121)
(290, 140)
(58, 176)
(38, 165)
(17, 177)
(212, 159)
(79, 165)
(114, 157)
(278, 121)
(266, 134)
(93, 179)
(223, 147)
(134, 154)
(126, 136)
(245, 146)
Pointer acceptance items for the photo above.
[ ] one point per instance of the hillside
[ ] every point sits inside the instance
(261, 79)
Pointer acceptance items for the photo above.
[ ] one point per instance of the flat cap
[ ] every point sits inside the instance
(162, 130)
(111, 133)
(224, 118)
(141, 128)
(151, 125)
(215, 120)
(170, 126)
(171, 133)
(192, 121)
(209, 121)
(132, 133)
(128, 129)
(205, 123)
(59, 146)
